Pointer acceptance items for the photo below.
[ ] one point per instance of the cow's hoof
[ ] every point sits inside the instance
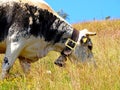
(3, 77)
(60, 64)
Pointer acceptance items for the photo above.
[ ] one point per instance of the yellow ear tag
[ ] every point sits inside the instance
(84, 40)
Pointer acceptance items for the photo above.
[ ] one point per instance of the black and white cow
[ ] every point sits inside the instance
(29, 29)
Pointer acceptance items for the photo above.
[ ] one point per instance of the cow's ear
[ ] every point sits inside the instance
(84, 39)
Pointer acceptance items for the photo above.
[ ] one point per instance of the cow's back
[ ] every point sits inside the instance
(34, 17)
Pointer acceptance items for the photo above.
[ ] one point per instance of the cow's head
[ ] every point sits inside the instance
(82, 50)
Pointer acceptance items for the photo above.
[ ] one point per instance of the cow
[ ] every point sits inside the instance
(29, 29)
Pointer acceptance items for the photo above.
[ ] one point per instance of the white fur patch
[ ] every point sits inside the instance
(35, 48)
(81, 34)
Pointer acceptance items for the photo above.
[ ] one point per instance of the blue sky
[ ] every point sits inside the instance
(86, 10)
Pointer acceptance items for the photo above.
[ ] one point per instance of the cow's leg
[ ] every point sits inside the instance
(12, 52)
(25, 65)
(14, 44)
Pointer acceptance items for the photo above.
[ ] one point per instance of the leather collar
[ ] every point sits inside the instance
(70, 43)
(68, 48)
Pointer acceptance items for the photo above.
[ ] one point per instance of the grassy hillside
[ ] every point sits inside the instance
(47, 76)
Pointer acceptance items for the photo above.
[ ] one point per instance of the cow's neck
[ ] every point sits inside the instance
(68, 33)
(62, 27)
(46, 24)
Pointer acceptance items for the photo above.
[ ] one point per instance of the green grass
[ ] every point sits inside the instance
(45, 75)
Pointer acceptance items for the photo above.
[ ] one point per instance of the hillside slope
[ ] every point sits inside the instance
(47, 76)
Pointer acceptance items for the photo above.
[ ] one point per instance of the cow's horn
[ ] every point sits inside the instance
(89, 33)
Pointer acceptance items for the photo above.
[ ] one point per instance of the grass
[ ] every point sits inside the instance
(45, 75)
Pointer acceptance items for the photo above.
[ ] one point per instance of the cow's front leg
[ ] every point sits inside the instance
(25, 64)
(14, 44)
(12, 52)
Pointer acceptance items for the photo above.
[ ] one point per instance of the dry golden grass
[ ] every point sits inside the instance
(47, 76)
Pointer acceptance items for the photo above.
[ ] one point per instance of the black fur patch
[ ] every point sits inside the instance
(44, 24)
(3, 24)
(6, 61)
(10, 15)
